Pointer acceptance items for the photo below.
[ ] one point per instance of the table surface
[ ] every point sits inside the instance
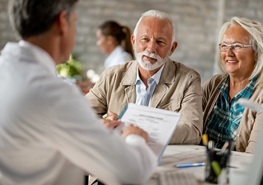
(177, 154)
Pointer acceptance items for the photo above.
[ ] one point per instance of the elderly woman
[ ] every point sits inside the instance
(241, 63)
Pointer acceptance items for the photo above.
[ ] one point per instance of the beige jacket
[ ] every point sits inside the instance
(179, 90)
(250, 122)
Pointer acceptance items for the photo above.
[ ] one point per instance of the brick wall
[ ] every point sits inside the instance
(197, 25)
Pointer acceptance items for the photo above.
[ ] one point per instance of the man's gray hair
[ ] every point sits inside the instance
(158, 14)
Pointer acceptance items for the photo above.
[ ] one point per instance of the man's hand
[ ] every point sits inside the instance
(112, 116)
(132, 129)
(110, 123)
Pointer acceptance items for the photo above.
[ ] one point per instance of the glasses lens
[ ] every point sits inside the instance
(236, 47)
(223, 47)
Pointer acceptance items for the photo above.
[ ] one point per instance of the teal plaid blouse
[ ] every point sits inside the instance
(223, 122)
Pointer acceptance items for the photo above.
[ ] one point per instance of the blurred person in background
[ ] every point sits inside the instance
(153, 79)
(241, 63)
(48, 132)
(113, 39)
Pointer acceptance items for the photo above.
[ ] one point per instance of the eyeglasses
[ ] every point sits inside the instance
(234, 47)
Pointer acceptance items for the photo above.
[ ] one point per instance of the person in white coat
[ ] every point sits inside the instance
(113, 40)
(48, 132)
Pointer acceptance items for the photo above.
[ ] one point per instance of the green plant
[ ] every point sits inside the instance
(70, 69)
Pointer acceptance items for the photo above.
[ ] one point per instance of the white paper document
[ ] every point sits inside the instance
(158, 123)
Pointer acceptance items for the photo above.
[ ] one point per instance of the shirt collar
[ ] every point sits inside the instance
(41, 55)
(224, 87)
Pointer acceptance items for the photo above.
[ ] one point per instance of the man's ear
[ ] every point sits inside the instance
(174, 46)
(62, 21)
(132, 39)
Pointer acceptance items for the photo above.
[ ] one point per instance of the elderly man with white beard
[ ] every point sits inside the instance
(153, 80)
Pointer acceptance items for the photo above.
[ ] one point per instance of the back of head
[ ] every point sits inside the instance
(255, 29)
(157, 14)
(34, 17)
(121, 34)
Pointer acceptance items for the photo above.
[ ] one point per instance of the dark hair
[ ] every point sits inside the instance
(33, 17)
(122, 34)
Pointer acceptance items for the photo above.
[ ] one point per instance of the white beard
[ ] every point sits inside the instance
(147, 65)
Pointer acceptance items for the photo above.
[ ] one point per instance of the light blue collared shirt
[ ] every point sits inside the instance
(142, 92)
